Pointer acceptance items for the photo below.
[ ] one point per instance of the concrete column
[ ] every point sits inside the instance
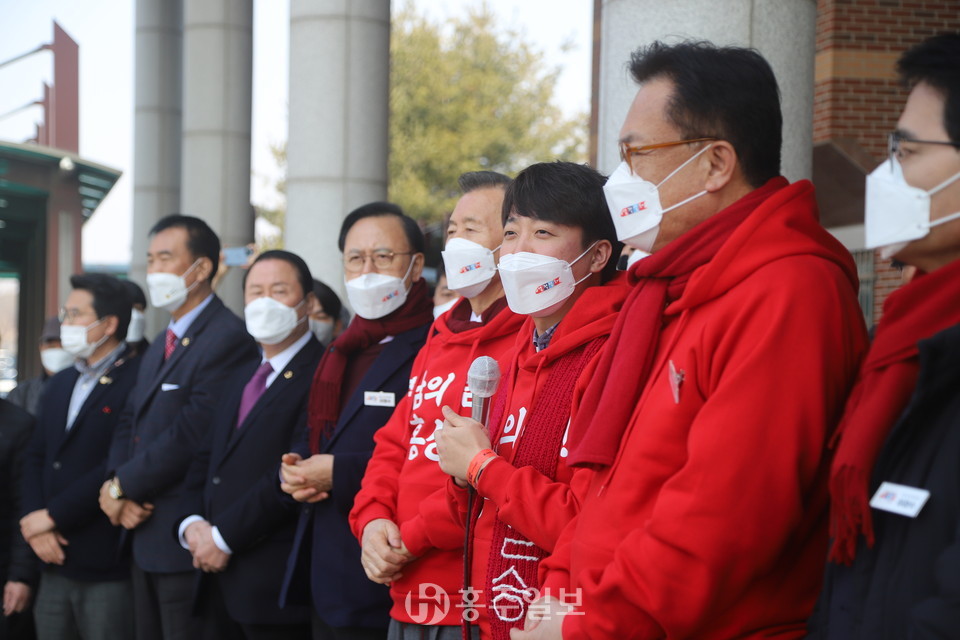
(156, 123)
(339, 101)
(217, 86)
(783, 31)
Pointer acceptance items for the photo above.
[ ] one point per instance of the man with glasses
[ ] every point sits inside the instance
(705, 430)
(85, 584)
(362, 376)
(895, 557)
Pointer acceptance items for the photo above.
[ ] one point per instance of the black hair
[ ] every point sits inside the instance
(473, 180)
(328, 298)
(110, 298)
(135, 293)
(202, 242)
(728, 93)
(378, 209)
(936, 62)
(295, 261)
(565, 193)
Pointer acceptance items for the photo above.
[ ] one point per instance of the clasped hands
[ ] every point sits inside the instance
(123, 512)
(40, 532)
(307, 479)
(207, 556)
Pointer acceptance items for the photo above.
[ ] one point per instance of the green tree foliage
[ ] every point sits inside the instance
(465, 95)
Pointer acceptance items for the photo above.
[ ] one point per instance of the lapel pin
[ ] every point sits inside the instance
(185, 342)
(107, 410)
(105, 379)
(288, 374)
(676, 379)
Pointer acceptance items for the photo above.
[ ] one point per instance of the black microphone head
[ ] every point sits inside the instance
(483, 377)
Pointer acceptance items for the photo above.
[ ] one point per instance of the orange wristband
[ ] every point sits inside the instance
(477, 465)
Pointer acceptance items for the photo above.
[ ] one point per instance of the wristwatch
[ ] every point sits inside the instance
(114, 489)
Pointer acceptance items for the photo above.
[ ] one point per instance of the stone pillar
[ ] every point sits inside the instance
(783, 31)
(156, 123)
(217, 96)
(339, 102)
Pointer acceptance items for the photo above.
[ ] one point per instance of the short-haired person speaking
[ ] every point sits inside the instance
(705, 429)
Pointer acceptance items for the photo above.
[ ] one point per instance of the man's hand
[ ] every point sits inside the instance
(194, 534)
(109, 505)
(16, 597)
(132, 515)
(35, 522)
(207, 556)
(544, 621)
(49, 547)
(384, 553)
(458, 442)
(309, 480)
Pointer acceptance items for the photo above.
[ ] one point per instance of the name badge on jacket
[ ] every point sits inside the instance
(379, 399)
(899, 499)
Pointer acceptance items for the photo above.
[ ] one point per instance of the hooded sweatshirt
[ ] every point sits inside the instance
(530, 502)
(405, 466)
(712, 520)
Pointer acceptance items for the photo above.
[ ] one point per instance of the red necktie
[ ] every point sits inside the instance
(170, 344)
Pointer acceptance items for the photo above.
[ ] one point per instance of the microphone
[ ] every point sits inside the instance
(483, 378)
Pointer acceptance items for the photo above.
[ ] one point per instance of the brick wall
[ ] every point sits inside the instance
(857, 95)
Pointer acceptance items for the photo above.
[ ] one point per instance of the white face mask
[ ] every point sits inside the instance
(136, 327)
(469, 266)
(168, 290)
(897, 213)
(270, 321)
(56, 360)
(322, 330)
(74, 340)
(635, 207)
(375, 295)
(442, 308)
(537, 285)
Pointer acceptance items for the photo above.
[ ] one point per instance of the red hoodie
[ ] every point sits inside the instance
(404, 468)
(712, 521)
(533, 504)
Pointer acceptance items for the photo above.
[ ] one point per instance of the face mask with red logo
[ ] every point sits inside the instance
(537, 285)
(635, 207)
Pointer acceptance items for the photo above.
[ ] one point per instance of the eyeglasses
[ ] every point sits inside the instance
(354, 262)
(629, 151)
(896, 138)
(70, 314)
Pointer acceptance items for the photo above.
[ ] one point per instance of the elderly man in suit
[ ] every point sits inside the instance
(85, 585)
(238, 532)
(361, 377)
(168, 418)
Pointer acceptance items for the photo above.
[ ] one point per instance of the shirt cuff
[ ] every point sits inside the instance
(182, 529)
(220, 542)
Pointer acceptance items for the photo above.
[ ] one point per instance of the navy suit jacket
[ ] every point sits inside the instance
(17, 561)
(168, 421)
(233, 484)
(64, 469)
(342, 593)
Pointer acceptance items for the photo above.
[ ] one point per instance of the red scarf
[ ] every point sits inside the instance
(323, 409)
(539, 448)
(659, 279)
(918, 310)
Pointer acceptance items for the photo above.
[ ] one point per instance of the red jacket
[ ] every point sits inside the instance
(404, 468)
(525, 499)
(712, 521)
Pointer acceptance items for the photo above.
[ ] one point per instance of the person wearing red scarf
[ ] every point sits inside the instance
(400, 547)
(895, 481)
(554, 213)
(362, 375)
(703, 436)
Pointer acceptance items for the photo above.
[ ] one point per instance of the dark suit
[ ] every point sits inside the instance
(342, 594)
(17, 562)
(64, 469)
(167, 422)
(233, 484)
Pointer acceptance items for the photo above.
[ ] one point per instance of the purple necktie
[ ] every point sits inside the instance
(253, 391)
